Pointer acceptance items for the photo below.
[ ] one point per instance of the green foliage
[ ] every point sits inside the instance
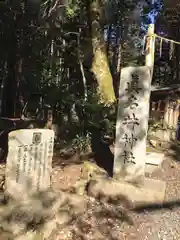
(74, 8)
(82, 142)
(46, 42)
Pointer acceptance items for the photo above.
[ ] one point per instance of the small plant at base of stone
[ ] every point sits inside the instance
(89, 172)
(82, 142)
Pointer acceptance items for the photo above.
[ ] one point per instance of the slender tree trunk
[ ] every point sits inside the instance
(10, 86)
(118, 49)
(177, 57)
(3, 79)
(117, 61)
(109, 31)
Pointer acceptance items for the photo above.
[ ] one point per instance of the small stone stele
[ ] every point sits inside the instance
(29, 161)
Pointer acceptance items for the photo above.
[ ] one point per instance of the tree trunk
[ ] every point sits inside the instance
(10, 84)
(100, 66)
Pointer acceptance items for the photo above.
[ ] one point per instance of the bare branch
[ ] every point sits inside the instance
(53, 8)
(49, 10)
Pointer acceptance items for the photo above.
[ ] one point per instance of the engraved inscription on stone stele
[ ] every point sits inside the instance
(29, 161)
(132, 122)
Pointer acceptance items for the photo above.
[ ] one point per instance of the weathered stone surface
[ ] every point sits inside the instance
(29, 161)
(151, 168)
(156, 186)
(132, 124)
(154, 158)
(152, 191)
(164, 135)
(89, 171)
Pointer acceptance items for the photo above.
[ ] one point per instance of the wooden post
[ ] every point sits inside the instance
(166, 113)
(176, 114)
(150, 48)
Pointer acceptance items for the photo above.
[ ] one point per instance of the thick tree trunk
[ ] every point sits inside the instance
(100, 66)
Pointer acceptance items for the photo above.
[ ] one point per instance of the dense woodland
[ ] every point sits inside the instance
(72, 53)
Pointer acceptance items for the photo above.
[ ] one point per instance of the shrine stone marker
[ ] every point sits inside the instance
(29, 161)
(132, 124)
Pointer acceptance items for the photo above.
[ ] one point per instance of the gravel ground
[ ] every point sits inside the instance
(111, 222)
(153, 224)
(163, 223)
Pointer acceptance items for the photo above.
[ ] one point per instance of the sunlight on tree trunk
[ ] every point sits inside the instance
(100, 66)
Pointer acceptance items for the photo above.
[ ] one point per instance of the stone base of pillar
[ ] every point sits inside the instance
(149, 192)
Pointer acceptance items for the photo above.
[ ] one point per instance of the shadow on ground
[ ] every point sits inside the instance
(76, 214)
(155, 206)
(174, 150)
